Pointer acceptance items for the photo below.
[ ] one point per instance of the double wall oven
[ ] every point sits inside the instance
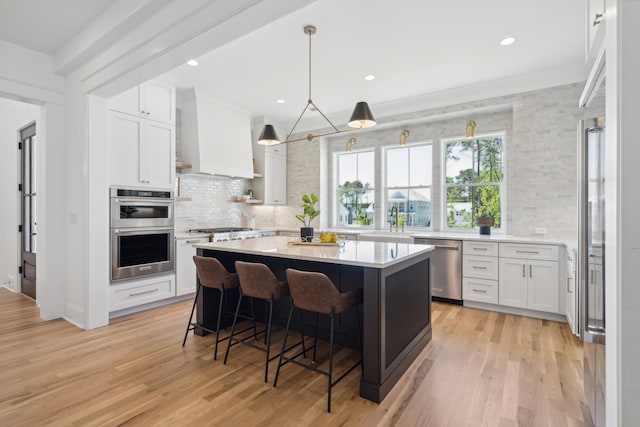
(141, 233)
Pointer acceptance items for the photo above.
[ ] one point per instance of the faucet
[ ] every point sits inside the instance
(391, 221)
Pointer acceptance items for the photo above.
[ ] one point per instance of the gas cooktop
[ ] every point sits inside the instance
(219, 230)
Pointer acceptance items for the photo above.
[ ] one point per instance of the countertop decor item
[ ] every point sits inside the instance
(360, 118)
(485, 223)
(309, 212)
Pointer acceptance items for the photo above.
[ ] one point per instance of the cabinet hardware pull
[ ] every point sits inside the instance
(479, 249)
(133, 294)
(597, 19)
(523, 272)
(484, 291)
(520, 251)
(195, 241)
(479, 267)
(530, 270)
(455, 248)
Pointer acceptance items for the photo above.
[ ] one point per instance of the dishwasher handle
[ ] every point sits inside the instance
(452, 247)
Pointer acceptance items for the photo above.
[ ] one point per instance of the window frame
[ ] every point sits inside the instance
(336, 190)
(502, 184)
(384, 190)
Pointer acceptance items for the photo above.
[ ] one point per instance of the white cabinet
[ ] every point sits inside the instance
(595, 17)
(152, 100)
(142, 291)
(270, 184)
(141, 151)
(185, 267)
(480, 272)
(529, 277)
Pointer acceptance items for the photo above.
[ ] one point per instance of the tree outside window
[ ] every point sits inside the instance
(356, 196)
(473, 180)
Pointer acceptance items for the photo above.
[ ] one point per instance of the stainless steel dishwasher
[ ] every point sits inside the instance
(446, 269)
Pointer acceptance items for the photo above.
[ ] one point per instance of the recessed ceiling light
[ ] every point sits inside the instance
(280, 101)
(507, 41)
(192, 62)
(369, 77)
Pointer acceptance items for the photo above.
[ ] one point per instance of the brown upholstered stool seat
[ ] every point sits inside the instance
(315, 292)
(258, 281)
(211, 274)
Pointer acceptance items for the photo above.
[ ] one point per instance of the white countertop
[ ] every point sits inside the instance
(358, 253)
(191, 235)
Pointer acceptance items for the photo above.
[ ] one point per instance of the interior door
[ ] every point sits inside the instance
(27, 228)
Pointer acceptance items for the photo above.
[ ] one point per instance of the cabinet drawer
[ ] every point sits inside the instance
(141, 292)
(480, 267)
(481, 290)
(480, 248)
(522, 250)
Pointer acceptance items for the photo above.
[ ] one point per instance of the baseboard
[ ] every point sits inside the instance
(518, 311)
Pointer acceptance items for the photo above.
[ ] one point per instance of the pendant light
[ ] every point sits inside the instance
(471, 129)
(360, 118)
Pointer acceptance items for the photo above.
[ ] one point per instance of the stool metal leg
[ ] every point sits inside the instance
(233, 328)
(268, 342)
(253, 319)
(284, 345)
(195, 301)
(215, 351)
(315, 340)
(330, 362)
(304, 350)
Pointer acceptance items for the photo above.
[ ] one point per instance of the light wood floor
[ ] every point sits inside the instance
(481, 368)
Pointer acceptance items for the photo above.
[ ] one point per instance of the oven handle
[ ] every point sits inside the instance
(142, 230)
(147, 202)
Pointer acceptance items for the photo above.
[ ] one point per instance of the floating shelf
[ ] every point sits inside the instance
(257, 175)
(183, 165)
(248, 201)
(182, 199)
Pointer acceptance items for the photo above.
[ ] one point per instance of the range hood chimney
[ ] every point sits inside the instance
(215, 138)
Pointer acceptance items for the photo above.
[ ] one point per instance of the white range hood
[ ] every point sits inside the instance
(215, 138)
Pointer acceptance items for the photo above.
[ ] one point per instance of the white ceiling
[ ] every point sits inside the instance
(46, 25)
(413, 47)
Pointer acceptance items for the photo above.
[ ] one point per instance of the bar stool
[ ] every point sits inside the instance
(211, 274)
(315, 292)
(258, 281)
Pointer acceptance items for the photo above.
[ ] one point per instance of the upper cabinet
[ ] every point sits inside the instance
(270, 183)
(152, 100)
(142, 140)
(216, 138)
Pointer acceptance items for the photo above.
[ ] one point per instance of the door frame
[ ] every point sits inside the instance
(34, 172)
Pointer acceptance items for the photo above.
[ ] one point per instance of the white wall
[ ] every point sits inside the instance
(13, 115)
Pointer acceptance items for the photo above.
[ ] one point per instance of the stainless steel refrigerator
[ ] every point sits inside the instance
(591, 255)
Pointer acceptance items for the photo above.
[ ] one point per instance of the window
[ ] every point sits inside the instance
(408, 184)
(474, 177)
(356, 195)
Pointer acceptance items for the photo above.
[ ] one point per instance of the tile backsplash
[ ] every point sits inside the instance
(211, 203)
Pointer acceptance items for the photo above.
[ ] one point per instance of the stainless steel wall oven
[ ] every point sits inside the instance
(141, 233)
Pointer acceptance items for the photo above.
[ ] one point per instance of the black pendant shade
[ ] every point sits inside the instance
(361, 117)
(268, 136)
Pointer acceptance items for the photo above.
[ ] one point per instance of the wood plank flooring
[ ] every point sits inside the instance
(481, 369)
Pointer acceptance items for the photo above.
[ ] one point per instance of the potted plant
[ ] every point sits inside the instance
(309, 212)
(485, 223)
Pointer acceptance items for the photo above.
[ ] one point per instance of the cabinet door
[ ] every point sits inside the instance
(125, 139)
(279, 180)
(275, 179)
(159, 102)
(543, 292)
(512, 283)
(129, 101)
(159, 158)
(185, 268)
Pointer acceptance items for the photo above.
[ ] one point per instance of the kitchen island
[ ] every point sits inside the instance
(396, 311)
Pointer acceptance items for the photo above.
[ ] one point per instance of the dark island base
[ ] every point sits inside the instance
(396, 313)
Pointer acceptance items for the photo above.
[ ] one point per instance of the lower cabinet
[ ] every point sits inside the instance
(142, 291)
(185, 267)
(532, 284)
